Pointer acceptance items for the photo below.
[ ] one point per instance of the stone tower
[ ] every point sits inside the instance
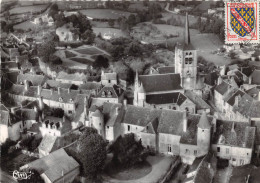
(186, 60)
(97, 122)
(203, 134)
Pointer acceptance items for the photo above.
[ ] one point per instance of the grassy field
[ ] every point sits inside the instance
(104, 13)
(89, 51)
(25, 25)
(36, 8)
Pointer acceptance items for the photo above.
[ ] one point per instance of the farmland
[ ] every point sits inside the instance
(104, 13)
(33, 9)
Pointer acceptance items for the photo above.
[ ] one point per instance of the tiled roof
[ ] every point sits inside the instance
(161, 82)
(109, 111)
(72, 77)
(47, 143)
(8, 118)
(152, 127)
(256, 77)
(211, 78)
(198, 101)
(253, 92)
(241, 136)
(36, 80)
(204, 122)
(140, 116)
(54, 164)
(246, 71)
(190, 136)
(240, 172)
(166, 69)
(56, 84)
(222, 88)
(166, 98)
(90, 86)
(231, 100)
(171, 122)
(115, 91)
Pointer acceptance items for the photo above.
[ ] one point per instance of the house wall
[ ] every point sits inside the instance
(188, 153)
(149, 140)
(109, 82)
(188, 105)
(14, 131)
(237, 156)
(129, 128)
(169, 142)
(4, 133)
(218, 101)
(111, 100)
(49, 131)
(70, 81)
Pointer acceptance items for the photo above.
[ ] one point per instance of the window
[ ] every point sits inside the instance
(109, 94)
(187, 151)
(233, 159)
(169, 148)
(247, 154)
(241, 162)
(218, 149)
(70, 112)
(99, 124)
(128, 127)
(107, 127)
(190, 53)
(195, 152)
(187, 109)
(103, 94)
(174, 108)
(109, 81)
(227, 150)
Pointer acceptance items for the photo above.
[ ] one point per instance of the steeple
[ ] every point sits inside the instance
(204, 122)
(187, 31)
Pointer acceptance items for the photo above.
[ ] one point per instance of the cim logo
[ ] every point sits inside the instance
(21, 175)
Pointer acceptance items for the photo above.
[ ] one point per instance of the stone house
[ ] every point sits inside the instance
(11, 125)
(108, 78)
(76, 79)
(58, 166)
(233, 141)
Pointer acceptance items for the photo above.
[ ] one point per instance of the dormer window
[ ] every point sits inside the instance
(109, 94)
(60, 99)
(190, 53)
(103, 94)
(71, 100)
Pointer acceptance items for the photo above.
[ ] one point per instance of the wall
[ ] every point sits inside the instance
(166, 140)
(188, 153)
(234, 154)
(14, 131)
(133, 129)
(149, 139)
(3, 133)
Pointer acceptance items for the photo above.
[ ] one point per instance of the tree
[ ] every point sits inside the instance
(58, 112)
(131, 20)
(232, 54)
(111, 22)
(92, 152)
(127, 151)
(46, 50)
(101, 62)
(88, 36)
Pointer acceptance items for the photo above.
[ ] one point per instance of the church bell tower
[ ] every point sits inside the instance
(186, 60)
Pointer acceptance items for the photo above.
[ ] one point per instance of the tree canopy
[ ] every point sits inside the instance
(101, 62)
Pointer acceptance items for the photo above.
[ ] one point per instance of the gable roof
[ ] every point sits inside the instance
(222, 88)
(166, 98)
(115, 91)
(36, 80)
(255, 77)
(47, 143)
(197, 100)
(231, 100)
(109, 111)
(53, 164)
(166, 69)
(232, 133)
(161, 82)
(211, 78)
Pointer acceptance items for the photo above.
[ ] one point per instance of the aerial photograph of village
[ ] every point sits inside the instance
(126, 92)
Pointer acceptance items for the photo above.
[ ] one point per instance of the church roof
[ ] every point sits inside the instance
(161, 82)
(204, 122)
(166, 69)
(166, 98)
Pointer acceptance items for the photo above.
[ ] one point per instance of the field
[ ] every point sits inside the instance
(25, 9)
(104, 13)
(25, 25)
(89, 51)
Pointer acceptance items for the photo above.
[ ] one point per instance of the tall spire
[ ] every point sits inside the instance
(187, 31)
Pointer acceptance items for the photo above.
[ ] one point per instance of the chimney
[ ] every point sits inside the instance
(12, 110)
(39, 90)
(219, 80)
(259, 96)
(42, 115)
(41, 105)
(60, 124)
(49, 126)
(35, 109)
(16, 59)
(250, 80)
(185, 121)
(26, 85)
(233, 127)
(51, 91)
(102, 72)
(125, 103)
(237, 99)
(58, 90)
(63, 119)
(117, 110)
(68, 90)
(214, 122)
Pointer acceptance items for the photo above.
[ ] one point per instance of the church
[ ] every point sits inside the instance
(164, 90)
